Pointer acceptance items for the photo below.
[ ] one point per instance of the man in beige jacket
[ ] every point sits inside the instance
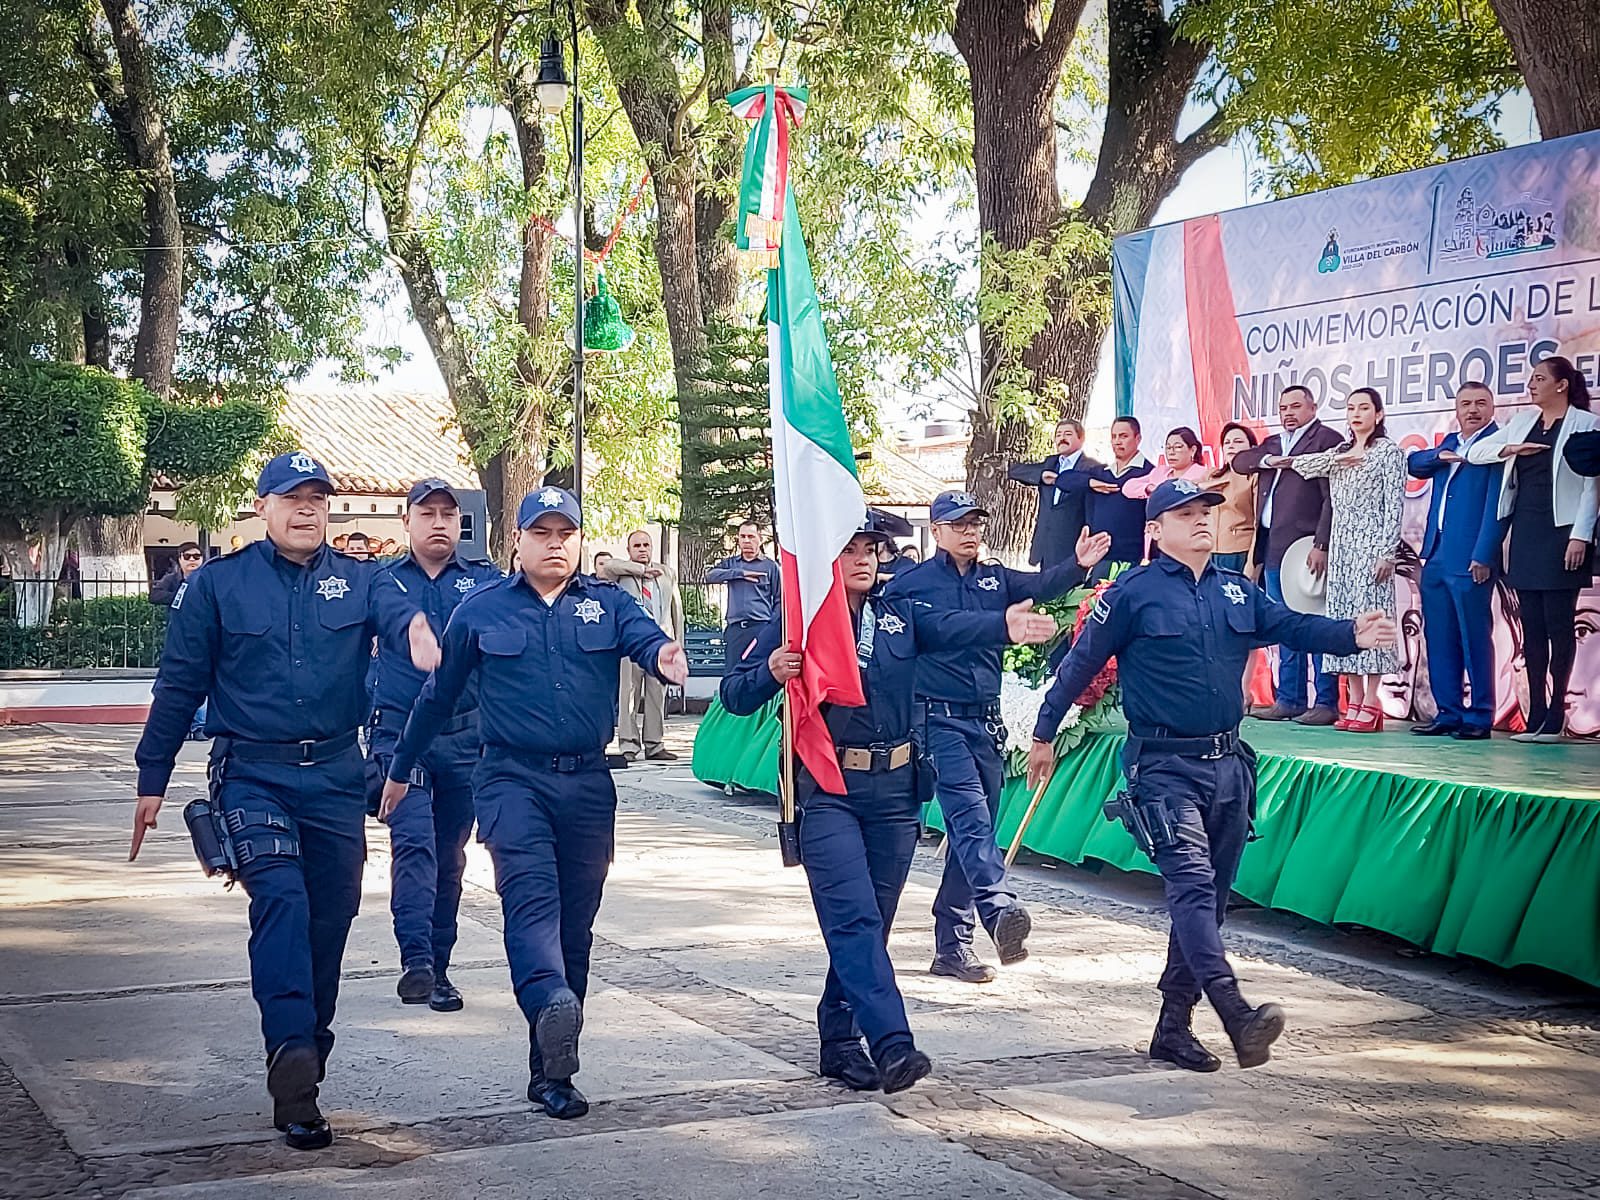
(642, 698)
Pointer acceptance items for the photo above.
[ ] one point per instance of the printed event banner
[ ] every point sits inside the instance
(1412, 285)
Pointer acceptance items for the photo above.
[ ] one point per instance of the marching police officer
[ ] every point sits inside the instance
(546, 644)
(428, 830)
(958, 692)
(1181, 630)
(857, 847)
(278, 636)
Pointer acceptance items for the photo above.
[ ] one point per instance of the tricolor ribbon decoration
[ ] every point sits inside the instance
(774, 111)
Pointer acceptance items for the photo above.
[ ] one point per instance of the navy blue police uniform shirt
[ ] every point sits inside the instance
(279, 651)
(888, 676)
(971, 674)
(403, 586)
(547, 673)
(1181, 645)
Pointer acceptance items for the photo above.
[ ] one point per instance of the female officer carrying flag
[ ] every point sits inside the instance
(857, 848)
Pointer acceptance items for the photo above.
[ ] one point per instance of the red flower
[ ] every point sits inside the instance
(1101, 683)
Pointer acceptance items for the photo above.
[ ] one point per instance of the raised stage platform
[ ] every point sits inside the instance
(1488, 849)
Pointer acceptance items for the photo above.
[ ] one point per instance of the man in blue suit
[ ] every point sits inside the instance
(1461, 555)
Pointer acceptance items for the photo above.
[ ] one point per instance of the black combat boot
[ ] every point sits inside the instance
(901, 1066)
(556, 1031)
(1251, 1030)
(962, 964)
(1011, 929)
(849, 1063)
(1174, 1041)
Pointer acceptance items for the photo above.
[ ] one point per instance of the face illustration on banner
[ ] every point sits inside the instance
(1583, 696)
(1406, 693)
(1510, 673)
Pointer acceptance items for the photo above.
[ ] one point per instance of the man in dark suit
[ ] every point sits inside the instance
(1288, 508)
(1461, 556)
(1063, 483)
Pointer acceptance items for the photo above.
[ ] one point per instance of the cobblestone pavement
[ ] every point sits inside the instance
(129, 1061)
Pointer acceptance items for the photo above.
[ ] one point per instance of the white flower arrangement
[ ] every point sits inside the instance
(1019, 709)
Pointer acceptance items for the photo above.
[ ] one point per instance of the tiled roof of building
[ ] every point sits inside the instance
(379, 442)
(889, 477)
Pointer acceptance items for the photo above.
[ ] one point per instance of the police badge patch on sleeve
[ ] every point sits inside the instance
(1101, 611)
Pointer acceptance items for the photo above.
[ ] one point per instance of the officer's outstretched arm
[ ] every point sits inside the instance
(951, 629)
(1279, 625)
(437, 700)
(188, 664)
(641, 639)
(751, 683)
(1104, 634)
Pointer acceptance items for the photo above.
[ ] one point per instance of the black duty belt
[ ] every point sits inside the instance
(1214, 745)
(878, 757)
(301, 754)
(561, 764)
(454, 725)
(963, 712)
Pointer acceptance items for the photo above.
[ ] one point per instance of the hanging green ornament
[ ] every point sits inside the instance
(604, 330)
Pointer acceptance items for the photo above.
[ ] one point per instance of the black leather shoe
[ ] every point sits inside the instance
(415, 986)
(1436, 728)
(1468, 733)
(850, 1065)
(556, 1034)
(558, 1098)
(445, 996)
(1011, 930)
(901, 1067)
(962, 965)
(662, 755)
(1251, 1030)
(1174, 1041)
(315, 1134)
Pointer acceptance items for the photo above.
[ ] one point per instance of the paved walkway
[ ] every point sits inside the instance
(130, 1063)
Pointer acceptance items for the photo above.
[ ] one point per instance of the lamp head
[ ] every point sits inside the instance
(552, 84)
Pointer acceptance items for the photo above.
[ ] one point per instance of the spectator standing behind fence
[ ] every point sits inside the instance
(1062, 481)
(754, 592)
(189, 560)
(641, 696)
(1366, 475)
(1236, 515)
(1290, 508)
(1552, 511)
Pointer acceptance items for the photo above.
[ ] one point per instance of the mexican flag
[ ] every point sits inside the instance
(819, 501)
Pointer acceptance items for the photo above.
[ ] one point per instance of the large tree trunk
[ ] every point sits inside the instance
(111, 549)
(1557, 44)
(161, 295)
(1014, 63)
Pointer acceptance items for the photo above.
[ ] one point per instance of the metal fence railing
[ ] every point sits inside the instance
(89, 624)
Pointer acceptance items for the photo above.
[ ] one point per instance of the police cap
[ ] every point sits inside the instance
(952, 506)
(288, 471)
(424, 488)
(1175, 493)
(548, 499)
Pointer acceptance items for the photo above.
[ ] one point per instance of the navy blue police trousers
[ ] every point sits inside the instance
(428, 834)
(969, 774)
(304, 896)
(857, 851)
(549, 823)
(1211, 801)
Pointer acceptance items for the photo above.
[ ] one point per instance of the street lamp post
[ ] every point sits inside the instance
(552, 86)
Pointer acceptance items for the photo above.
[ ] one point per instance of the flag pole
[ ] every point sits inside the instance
(788, 830)
(1027, 816)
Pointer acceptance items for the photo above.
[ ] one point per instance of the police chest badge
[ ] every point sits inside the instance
(334, 587)
(1233, 592)
(465, 584)
(890, 623)
(589, 611)
(989, 583)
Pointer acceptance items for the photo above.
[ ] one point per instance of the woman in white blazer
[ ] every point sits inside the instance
(1552, 510)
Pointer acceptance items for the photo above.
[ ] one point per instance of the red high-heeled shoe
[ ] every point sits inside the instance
(1369, 720)
(1344, 720)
